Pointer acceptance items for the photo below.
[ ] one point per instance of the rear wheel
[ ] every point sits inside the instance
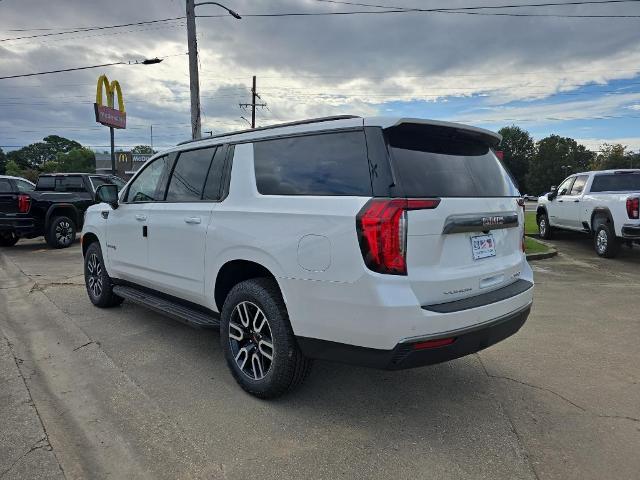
(544, 230)
(98, 283)
(606, 243)
(258, 342)
(62, 233)
(8, 239)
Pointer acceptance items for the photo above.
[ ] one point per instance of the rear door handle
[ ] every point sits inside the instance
(141, 218)
(576, 201)
(192, 220)
(560, 201)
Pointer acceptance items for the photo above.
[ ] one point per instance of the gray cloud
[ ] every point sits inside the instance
(307, 66)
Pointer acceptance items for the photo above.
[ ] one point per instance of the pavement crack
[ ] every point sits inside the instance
(18, 362)
(531, 385)
(512, 424)
(42, 443)
(620, 417)
(83, 345)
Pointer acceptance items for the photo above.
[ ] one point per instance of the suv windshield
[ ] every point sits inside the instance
(434, 161)
(616, 182)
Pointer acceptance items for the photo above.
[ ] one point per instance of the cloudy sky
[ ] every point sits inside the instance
(549, 73)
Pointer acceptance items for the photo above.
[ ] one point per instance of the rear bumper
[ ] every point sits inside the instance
(631, 232)
(21, 226)
(405, 354)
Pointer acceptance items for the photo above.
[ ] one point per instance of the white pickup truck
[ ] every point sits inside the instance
(604, 204)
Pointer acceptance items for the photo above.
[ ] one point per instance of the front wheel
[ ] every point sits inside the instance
(258, 342)
(544, 229)
(606, 243)
(98, 283)
(62, 233)
(8, 239)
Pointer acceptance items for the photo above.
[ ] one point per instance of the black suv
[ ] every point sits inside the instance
(55, 209)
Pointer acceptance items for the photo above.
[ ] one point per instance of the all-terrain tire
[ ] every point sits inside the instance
(605, 242)
(288, 367)
(98, 283)
(544, 229)
(61, 232)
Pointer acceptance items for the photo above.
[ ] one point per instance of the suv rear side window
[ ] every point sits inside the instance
(616, 182)
(321, 164)
(150, 184)
(433, 161)
(189, 174)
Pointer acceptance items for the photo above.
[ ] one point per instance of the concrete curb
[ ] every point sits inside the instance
(542, 255)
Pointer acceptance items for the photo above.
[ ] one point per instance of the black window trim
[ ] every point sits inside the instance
(176, 153)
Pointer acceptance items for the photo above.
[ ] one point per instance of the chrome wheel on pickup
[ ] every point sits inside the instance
(605, 242)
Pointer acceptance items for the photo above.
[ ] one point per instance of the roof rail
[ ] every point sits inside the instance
(277, 125)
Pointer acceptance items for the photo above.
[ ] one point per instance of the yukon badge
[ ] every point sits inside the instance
(491, 221)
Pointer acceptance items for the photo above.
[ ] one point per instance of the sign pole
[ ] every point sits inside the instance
(113, 153)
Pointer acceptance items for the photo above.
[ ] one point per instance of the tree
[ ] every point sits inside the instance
(142, 149)
(519, 148)
(36, 154)
(3, 162)
(552, 154)
(612, 156)
(77, 160)
(12, 169)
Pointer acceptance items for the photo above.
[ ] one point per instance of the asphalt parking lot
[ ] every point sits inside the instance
(127, 393)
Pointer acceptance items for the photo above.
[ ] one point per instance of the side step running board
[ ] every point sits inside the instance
(182, 313)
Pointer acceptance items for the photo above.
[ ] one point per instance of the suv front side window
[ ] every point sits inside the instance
(189, 175)
(150, 184)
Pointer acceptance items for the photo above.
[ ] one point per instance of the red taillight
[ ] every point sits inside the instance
(633, 207)
(382, 232)
(24, 203)
(441, 342)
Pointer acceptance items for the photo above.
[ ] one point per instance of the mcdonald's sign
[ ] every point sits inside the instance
(108, 115)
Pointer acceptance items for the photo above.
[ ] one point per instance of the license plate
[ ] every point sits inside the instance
(483, 246)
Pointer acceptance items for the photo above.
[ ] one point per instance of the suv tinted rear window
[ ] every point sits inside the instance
(433, 161)
(616, 182)
(322, 164)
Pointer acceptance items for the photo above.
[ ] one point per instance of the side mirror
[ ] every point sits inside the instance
(108, 193)
(553, 193)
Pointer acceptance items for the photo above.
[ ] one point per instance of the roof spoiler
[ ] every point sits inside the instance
(493, 139)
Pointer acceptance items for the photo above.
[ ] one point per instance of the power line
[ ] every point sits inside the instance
(389, 9)
(89, 29)
(63, 70)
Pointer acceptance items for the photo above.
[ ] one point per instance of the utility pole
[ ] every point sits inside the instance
(152, 138)
(194, 76)
(253, 104)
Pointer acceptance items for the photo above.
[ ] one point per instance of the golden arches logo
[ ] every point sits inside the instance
(107, 114)
(111, 88)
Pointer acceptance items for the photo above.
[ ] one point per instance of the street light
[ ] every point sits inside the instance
(194, 76)
(565, 168)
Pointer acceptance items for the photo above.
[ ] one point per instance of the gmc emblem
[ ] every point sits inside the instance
(489, 221)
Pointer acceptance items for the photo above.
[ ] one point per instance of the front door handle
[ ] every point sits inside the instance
(560, 201)
(576, 201)
(141, 218)
(192, 220)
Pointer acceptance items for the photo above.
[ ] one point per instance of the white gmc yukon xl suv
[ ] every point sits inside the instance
(604, 204)
(389, 243)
